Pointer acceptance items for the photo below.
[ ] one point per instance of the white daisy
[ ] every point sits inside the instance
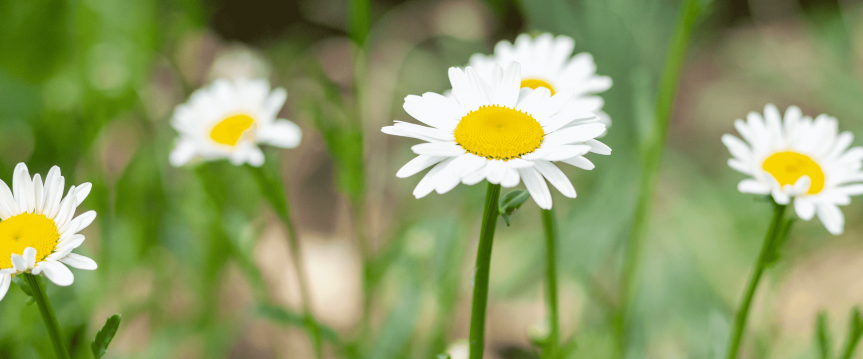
(39, 229)
(228, 120)
(496, 131)
(546, 62)
(799, 158)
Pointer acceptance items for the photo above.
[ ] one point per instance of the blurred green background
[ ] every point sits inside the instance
(198, 265)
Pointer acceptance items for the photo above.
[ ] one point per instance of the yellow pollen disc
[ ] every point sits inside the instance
(27, 230)
(500, 133)
(788, 167)
(537, 83)
(230, 130)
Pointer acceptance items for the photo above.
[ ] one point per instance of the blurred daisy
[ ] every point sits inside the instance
(799, 158)
(546, 62)
(39, 229)
(229, 119)
(494, 130)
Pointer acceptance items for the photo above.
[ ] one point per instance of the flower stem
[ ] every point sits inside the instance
(652, 148)
(273, 190)
(549, 225)
(767, 250)
(47, 315)
(483, 263)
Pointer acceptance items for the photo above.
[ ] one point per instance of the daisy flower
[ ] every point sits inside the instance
(39, 229)
(497, 131)
(800, 158)
(546, 62)
(229, 119)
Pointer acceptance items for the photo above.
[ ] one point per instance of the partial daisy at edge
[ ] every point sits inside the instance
(547, 61)
(497, 131)
(798, 159)
(39, 229)
(228, 120)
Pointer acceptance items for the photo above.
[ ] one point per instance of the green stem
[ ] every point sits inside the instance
(47, 315)
(549, 225)
(767, 250)
(273, 190)
(653, 146)
(359, 22)
(480, 279)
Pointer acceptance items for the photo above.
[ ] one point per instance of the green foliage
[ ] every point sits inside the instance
(511, 202)
(822, 337)
(855, 332)
(99, 346)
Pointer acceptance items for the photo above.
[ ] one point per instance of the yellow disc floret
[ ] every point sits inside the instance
(787, 167)
(231, 129)
(537, 83)
(499, 133)
(27, 230)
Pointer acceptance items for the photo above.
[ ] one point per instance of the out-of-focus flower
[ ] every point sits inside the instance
(229, 119)
(459, 349)
(498, 131)
(546, 62)
(800, 158)
(39, 229)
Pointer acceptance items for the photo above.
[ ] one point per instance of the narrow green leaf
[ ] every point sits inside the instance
(104, 336)
(25, 287)
(282, 316)
(855, 331)
(510, 202)
(822, 336)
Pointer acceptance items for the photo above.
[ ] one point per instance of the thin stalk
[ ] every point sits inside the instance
(483, 264)
(652, 148)
(273, 190)
(549, 225)
(48, 315)
(763, 259)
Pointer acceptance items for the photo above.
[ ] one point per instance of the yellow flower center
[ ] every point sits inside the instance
(27, 230)
(537, 83)
(787, 167)
(499, 133)
(230, 130)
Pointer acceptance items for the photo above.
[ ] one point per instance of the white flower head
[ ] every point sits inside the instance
(497, 131)
(546, 61)
(39, 229)
(228, 119)
(798, 158)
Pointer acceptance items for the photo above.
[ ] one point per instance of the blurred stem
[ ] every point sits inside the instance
(480, 279)
(359, 23)
(272, 188)
(48, 315)
(652, 148)
(855, 331)
(764, 257)
(549, 225)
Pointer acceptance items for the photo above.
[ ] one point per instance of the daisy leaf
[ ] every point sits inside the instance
(26, 288)
(511, 202)
(855, 331)
(822, 336)
(99, 346)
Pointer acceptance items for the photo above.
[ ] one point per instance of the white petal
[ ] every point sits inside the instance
(448, 149)
(779, 195)
(557, 153)
(737, 148)
(22, 188)
(739, 166)
(467, 163)
(184, 151)
(506, 92)
(556, 177)
(429, 182)
(67, 209)
(801, 186)
(511, 179)
(19, 262)
(805, 209)
(5, 280)
(752, 186)
(255, 156)
(574, 134)
(72, 242)
(57, 273)
(38, 193)
(281, 133)
(274, 102)
(418, 164)
(832, 218)
(78, 261)
(30, 257)
(82, 191)
(8, 206)
(580, 162)
(598, 147)
(851, 190)
(477, 176)
(496, 171)
(519, 163)
(536, 186)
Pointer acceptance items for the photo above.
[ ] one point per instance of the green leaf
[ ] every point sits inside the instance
(280, 315)
(104, 336)
(511, 202)
(822, 336)
(25, 287)
(855, 331)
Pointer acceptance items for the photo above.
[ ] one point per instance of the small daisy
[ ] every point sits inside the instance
(496, 131)
(229, 119)
(800, 158)
(546, 62)
(39, 229)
